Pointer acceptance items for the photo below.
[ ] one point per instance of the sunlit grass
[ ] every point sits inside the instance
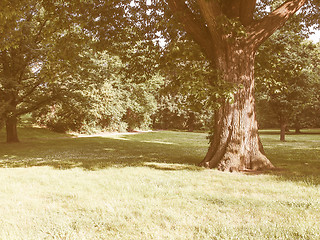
(298, 156)
(146, 186)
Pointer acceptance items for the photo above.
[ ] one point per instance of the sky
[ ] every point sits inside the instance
(315, 37)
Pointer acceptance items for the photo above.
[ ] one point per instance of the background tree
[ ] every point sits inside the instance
(287, 79)
(43, 56)
(183, 100)
(111, 101)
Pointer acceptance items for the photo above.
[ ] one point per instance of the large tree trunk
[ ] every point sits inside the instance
(11, 128)
(236, 145)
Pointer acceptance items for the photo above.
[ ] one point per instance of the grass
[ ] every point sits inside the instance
(146, 186)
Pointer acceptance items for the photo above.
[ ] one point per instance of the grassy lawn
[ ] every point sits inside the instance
(146, 186)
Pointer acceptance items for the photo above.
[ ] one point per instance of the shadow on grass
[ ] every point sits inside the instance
(297, 160)
(40, 147)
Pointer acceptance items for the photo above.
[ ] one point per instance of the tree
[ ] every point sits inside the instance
(229, 33)
(286, 78)
(110, 101)
(60, 79)
(43, 56)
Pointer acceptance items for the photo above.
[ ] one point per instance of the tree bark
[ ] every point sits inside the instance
(191, 121)
(236, 144)
(11, 128)
(297, 127)
(283, 128)
(283, 132)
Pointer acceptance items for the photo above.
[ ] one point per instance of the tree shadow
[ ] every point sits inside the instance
(92, 153)
(296, 160)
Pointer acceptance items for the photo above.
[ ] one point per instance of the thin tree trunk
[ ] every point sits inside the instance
(11, 128)
(282, 132)
(191, 121)
(287, 129)
(236, 145)
(297, 127)
(283, 127)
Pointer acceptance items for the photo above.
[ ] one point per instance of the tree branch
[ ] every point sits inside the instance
(247, 8)
(31, 90)
(261, 30)
(34, 107)
(231, 8)
(211, 11)
(5, 63)
(195, 28)
(37, 36)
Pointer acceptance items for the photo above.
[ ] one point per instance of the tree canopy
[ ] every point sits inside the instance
(44, 56)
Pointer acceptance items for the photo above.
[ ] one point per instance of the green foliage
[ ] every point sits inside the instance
(193, 89)
(48, 65)
(43, 57)
(231, 27)
(287, 80)
(112, 102)
(177, 112)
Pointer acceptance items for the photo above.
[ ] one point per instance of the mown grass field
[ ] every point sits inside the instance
(146, 186)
